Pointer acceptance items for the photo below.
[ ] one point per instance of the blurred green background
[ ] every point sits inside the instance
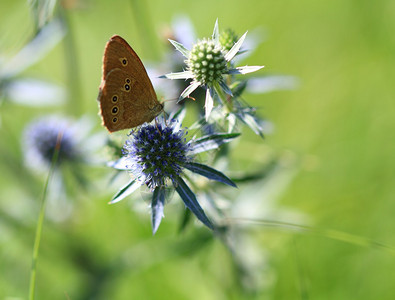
(340, 124)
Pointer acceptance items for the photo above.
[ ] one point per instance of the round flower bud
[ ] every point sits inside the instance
(207, 62)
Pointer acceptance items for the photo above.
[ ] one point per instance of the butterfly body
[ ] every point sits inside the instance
(126, 96)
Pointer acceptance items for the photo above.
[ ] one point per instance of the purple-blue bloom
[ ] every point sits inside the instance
(41, 137)
(157, 155)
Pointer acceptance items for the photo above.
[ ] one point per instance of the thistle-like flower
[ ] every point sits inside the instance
(41, 138)
(158, 155)
(207, 64)
(227, 39)
(77, 147)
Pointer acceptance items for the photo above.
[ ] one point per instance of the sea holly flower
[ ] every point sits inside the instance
(41, 137)
(77, 148)
(182, 30)
(227, 39)
(78, 145)
(207, 64)
(238, 111)
(158, 155)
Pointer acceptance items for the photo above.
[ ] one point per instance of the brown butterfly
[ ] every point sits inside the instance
(126, 95)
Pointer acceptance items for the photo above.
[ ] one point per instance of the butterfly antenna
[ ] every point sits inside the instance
(168, 100)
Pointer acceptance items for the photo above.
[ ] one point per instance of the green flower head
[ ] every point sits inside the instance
(208, 63)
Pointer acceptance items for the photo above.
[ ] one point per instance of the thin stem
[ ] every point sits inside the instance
(329, 233)
(72, 65)
(229, 82)
(223, 97)
(40, 222)
(144, 27)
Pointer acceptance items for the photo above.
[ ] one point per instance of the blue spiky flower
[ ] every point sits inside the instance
(41, 138)
(158, 155)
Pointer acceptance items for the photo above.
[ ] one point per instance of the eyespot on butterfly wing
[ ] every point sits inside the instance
(126, 96)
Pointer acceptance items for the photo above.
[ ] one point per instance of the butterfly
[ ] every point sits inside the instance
(127, 98)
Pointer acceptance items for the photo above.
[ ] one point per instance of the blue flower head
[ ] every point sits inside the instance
(158, 155)
(41, 137)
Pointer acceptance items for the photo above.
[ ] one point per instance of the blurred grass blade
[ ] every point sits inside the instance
(43, 11)
(146, 29)
(72, 66)
(35, 50)
(329, 233)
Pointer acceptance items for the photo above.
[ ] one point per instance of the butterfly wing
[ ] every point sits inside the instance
(127, 97)
(124, 102)
(118, 54)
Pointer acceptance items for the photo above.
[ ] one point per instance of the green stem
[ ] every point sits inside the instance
(225, 100)
(328, 233)
(40, 222)
(72, 66)
(144, 28)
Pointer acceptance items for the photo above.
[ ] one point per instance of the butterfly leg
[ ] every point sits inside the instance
(164, 117)
(133, 130)
(156, 125)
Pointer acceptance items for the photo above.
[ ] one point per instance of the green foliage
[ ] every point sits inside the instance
(331, 157)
